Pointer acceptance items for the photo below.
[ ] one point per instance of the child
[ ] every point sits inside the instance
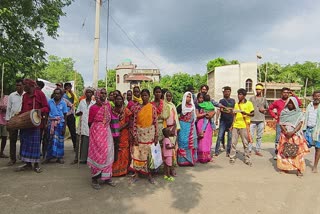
(167, 151)
(208, 107)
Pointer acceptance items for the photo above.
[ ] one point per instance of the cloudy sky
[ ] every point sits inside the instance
(183, 35)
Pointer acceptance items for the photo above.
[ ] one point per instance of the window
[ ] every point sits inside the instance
(124, 78)
(249, 85)
(118, 78)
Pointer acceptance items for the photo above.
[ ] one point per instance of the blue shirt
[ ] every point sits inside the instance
(57, 110)
(229, 103)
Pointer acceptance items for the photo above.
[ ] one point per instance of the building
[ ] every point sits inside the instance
(128, 75)
(243, 75)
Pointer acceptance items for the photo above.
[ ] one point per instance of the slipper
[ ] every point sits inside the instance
(167, 178)
(232, 162)
(110, 183)
(96, 186)
(151, 181)
(249, 163)
(25, 167)
(11, 163)
(37, 169)
(74, 162)
(133, 180)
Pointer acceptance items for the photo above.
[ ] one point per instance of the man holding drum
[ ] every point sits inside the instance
(30, 137)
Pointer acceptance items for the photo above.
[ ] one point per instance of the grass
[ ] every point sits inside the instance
(266, 138)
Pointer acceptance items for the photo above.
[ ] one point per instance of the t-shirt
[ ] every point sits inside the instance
(229, 103)
(239, 122)
(258, 102)
(57, 110)
(167, 152)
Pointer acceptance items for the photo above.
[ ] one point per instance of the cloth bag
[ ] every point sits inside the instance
(156, 156)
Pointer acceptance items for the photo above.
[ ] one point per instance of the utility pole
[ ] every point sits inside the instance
(96, 45)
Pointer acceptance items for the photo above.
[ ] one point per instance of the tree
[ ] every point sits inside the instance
(23, 24)
(111, 78)
(62, 70)
(219, 62)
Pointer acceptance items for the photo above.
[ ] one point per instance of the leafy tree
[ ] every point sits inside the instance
(62, 70)
(23, 24)
(219, 62)
(111, 78)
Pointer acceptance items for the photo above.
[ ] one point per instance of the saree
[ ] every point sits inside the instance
(187, 141)
(205, 143)
(101, 151)
(120, 167)
(162, 115)
(145, 129)
(291, 119)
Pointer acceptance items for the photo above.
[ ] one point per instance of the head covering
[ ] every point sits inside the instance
(137, 99)
(29, 82)
(89, 88)
(259, 87)
(98, 95)
(170, 104)
(186, 109)
(293, 117)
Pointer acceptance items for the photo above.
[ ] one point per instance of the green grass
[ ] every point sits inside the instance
(266, 138)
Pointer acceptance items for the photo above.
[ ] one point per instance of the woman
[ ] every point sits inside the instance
(162, 111)
(145, 133)
(100, 156)
(187, 137)
(291, 120)
(205, 142)
(120, 167)
(172, 123)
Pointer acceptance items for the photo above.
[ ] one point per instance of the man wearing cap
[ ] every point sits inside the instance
(260, 105)
(72, 100)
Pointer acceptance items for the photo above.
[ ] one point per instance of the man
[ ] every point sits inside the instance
(226, 119)
(83, 128)
(3, 127)
(260, 105)
(57, 127)
(72, 100)
(59, 85)
(311, 127)
(30, 137)
(278, 105)
(243, 111)
(13, 108)
(204, 90)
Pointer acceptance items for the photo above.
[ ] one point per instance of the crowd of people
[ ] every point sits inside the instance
(117, 133)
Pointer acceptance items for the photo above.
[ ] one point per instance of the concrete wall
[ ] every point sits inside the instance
(121, 86)
(234, 76)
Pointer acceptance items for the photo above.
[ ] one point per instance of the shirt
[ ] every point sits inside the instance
(84, 108)
(258, 102)
(57, 110)
(241, 120)
(71, 102)
(312, 116)
(279, 106)
(167, 152)
(37, 101)
(229, 103)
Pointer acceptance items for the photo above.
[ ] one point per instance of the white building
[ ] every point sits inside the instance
(128, 75)
(243, 75)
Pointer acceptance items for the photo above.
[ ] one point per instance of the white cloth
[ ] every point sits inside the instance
(186, 109)
(84, 108)
(312, 116)
(14, 104)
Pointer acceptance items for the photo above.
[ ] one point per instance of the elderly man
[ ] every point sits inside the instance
(30, 137)
(14, 107)
(83, 128)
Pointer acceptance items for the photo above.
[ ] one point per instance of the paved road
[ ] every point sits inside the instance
(216, 187)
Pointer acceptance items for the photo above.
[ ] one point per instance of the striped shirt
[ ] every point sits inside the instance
(312, 117)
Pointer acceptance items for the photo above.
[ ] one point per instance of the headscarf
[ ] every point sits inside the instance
(186, 109)
(293, 117)
(172, 107)
(29, 82)
(98, 95)
(137, 99)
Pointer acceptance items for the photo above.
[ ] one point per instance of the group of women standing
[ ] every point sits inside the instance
(140, 124)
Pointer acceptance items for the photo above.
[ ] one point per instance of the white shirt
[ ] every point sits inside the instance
(84, 108)
(312, 117)
(14, 104)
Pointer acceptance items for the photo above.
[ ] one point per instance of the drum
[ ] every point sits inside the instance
(29, 119)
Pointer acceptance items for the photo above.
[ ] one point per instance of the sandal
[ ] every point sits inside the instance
(299, 174)
(249, 163)
(60, 160)
(95, 185)
(110, 183)
(167, 178)
(11, 163)
(37, 169)
(25, 167)
(232, 162)
(151, 181)
(74, 162)
(133, 180)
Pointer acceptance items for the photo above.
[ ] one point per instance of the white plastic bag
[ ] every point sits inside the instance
(156, 156)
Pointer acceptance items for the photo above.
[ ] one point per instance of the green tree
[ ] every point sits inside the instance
(62, 70)
(111, 78)
(23, 24)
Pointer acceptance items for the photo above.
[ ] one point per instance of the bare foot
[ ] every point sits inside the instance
(299, 174)
(314, 170)
(283, 171)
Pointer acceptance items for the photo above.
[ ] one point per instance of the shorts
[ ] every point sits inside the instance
(308, 136)
(3, 131)
(168, 160)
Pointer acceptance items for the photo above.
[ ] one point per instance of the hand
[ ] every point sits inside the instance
(244, 113)
(63, 131)
(261, 109)
(156, 140)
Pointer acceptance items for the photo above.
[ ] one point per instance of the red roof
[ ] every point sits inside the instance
(138, 78)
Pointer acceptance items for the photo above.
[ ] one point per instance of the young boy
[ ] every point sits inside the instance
(167, 151)
(241, 126)
(208, 107)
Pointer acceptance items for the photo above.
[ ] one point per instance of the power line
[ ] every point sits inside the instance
(130, 39)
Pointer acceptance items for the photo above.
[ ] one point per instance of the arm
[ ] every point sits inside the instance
(9, 107)
(79, 111)
(155, 123)
(44, 103)
(218, 116)
(200, 116)
(270, 109)
(216, 104)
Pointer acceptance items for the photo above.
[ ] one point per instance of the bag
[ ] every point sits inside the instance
(290, 150)
(156, 156)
